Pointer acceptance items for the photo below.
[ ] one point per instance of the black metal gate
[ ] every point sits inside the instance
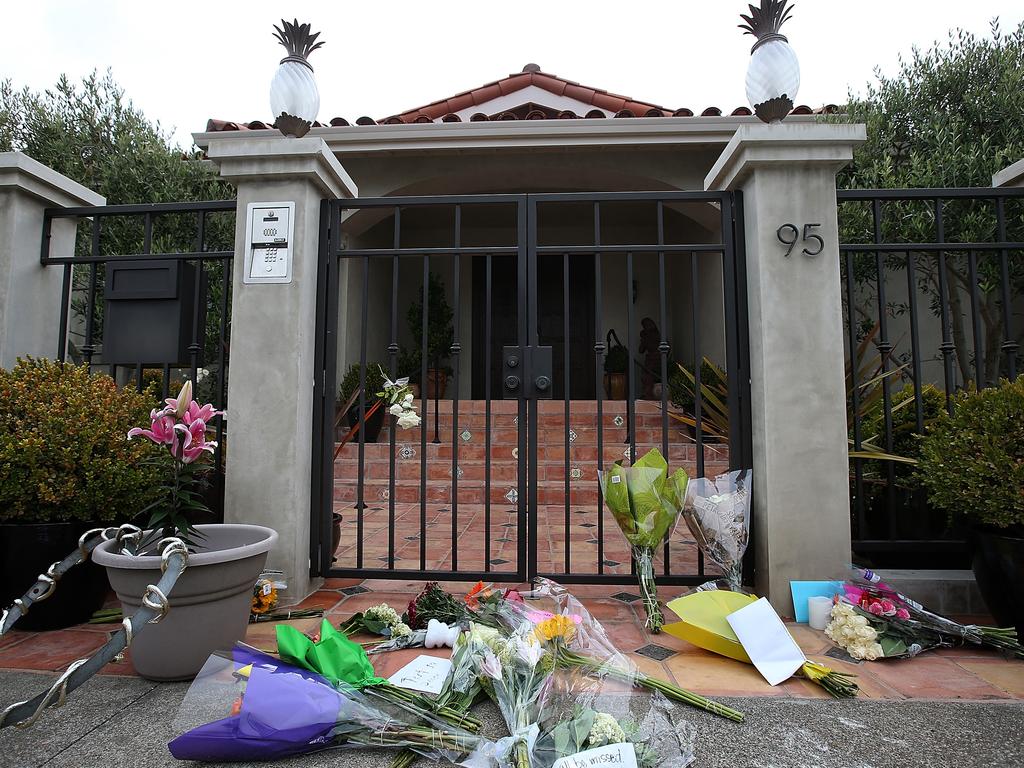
(500, 481)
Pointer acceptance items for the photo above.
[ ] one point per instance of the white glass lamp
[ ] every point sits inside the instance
(294, 97)
(773, 75)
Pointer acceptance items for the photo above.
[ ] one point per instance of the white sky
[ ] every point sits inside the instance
(184, 62)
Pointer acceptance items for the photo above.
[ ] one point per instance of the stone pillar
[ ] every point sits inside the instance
(1010, 176)
(801, 504)
(30, 293)
(273, 336)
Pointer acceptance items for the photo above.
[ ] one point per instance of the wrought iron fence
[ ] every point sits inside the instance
(506, 487)
(197, 236)
(933, 303)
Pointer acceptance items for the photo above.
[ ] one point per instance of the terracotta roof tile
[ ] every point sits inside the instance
(446, 110)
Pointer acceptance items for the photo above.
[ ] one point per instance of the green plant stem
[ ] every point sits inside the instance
(416, 704)
(674, 692)
(643, 557)
(458, 702)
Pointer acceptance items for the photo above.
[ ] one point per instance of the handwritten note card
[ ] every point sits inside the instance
(619, 755)
(424, 673)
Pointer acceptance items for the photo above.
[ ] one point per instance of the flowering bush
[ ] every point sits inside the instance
(63, 455)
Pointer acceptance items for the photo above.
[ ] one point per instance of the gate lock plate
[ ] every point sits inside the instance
(526, 372)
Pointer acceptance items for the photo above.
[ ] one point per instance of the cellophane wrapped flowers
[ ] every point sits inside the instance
(717, 512)
(645, 502)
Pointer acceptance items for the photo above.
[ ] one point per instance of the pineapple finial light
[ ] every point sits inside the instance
(773, 75)
(294, 97)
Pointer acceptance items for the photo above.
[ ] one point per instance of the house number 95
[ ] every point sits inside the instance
(788, 234)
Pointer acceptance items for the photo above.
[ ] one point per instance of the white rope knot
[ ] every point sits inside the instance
(161, 605)
(102, 532)
(51, 585)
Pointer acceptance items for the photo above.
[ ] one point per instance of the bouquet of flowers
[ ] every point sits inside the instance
(377, 620)
(902, 626)
(398, 399)
(645, 501)
(717, 512)
(563, 707)
(251, 706)
(434, 603)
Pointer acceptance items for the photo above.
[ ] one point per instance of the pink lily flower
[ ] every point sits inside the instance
(180, 404)
(161, 430)
(203, 413)
(193, 441)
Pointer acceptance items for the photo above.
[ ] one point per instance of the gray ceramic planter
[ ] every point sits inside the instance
(209, 604)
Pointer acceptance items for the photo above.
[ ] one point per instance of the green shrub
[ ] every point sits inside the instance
(906, 441)
(374, 383)
(680, 389)
(972, 462)
(440, 331)
(64, 450)
(410, 364)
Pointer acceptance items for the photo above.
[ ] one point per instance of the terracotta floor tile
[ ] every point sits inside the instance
(1007, 675)
(934, 678)
(612, 611)
(809, 640)
(13, 637)
(627, 636)
(714, 675)
(341, 583)
(51, 650)
(321, 599)
(871, 687)
(264, 634)
(397, 600)
(652, 668)
(800, 688)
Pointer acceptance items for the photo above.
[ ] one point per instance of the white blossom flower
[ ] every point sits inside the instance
(408, 398)
(605, 730)
(408, 420)
(401, 629)
(396, 410)
(528, 651)
(491, 666)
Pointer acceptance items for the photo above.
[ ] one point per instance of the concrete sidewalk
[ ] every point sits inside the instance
(126, 722)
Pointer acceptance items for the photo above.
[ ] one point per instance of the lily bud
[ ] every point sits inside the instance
(184, 398)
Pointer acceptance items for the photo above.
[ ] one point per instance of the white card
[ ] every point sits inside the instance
(618, 755)
(767, 641)
(424, 673)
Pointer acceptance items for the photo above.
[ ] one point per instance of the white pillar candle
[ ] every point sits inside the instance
(818, 611)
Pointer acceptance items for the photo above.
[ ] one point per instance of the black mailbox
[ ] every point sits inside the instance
(150, 312)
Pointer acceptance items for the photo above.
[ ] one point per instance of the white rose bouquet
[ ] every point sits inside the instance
(398, 399)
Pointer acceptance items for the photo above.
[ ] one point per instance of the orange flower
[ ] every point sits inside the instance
(472, 597)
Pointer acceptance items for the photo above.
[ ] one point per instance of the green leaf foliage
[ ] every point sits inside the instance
(949, 117)
(644, 500)
(64, 451)
(972, 463)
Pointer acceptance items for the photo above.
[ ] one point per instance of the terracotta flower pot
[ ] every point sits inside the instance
(437, 383)
(209, 605)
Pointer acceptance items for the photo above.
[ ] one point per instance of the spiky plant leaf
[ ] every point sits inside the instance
(768, 19)
(297, 38)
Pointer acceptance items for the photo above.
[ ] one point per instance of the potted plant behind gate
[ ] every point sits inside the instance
(211, 601)
(372, 414)
(65, 467)
(440, 336)
(616, 363)
(972, 464)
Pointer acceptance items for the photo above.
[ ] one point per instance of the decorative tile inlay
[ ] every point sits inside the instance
(466, 435)
(499, 561)
(515, 453)
(611, 563)
(384, 559)
(508, 525)
(575, 473)
(407, 452)
(572, 435)
(385, 493)
(503, 539)
(412, 538)
(618, 421)
(458, 474)
(587, 525)
(356, 590)
(515, 421)
(628, 452)
(512, 496)
(839, 653)
(656, 652)
(625, 597)
(593, 541)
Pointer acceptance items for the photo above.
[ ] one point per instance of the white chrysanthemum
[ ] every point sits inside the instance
(408, 420)
(401, 629)
(605, 730)
(383, 613)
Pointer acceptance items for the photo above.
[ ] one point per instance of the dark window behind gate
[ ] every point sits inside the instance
(517, 304)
